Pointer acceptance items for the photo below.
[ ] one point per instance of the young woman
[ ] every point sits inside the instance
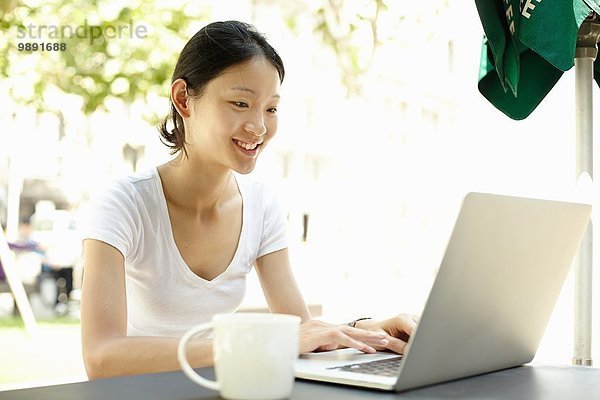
(167, 249)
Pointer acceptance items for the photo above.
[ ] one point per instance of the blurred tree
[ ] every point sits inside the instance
(355, 30)
(102, 52)
(343, 26)
(112, 49)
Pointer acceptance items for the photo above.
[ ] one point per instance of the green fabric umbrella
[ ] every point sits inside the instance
(528, 44)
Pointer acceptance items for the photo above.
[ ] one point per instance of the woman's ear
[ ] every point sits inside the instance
(180, 98)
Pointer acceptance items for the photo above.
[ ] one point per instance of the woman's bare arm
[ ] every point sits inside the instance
(107, 350)
(279, 285)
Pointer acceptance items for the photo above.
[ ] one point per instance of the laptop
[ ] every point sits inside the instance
(499, 279)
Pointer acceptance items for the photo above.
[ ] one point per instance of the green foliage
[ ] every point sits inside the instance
(127, 52)
(131, 68)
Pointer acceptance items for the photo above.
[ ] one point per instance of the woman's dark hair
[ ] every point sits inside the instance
(205, 56)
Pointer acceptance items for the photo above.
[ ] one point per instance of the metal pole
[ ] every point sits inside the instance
(16, 286)
(15, 187)
(585, 54)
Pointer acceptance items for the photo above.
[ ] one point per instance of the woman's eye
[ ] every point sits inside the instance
(241, 104)
(272, 110)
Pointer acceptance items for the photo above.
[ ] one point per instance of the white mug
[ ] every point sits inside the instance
(254, 355)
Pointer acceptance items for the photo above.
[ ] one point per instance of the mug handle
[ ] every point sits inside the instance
(183, 361)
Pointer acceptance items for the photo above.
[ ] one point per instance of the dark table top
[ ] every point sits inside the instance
(526, 382)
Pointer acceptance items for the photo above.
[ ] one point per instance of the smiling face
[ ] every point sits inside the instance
(233, 120)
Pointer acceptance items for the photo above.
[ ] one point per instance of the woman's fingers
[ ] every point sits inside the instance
(398, 329)
(396, 345)
(372, 338)
(391, 334)
(344, 340)
(320, 336)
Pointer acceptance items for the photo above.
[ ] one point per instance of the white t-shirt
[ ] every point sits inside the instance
(164, 297)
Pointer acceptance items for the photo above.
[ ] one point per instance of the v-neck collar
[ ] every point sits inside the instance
(169, 238)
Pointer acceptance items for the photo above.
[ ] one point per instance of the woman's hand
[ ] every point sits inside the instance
(397, 330)
(317, 335)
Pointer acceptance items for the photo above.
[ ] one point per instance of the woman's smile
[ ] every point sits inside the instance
(249, 149)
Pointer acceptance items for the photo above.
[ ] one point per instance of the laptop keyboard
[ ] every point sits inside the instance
(386, 367)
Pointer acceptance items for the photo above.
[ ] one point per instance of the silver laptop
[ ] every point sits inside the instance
(503, 269)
